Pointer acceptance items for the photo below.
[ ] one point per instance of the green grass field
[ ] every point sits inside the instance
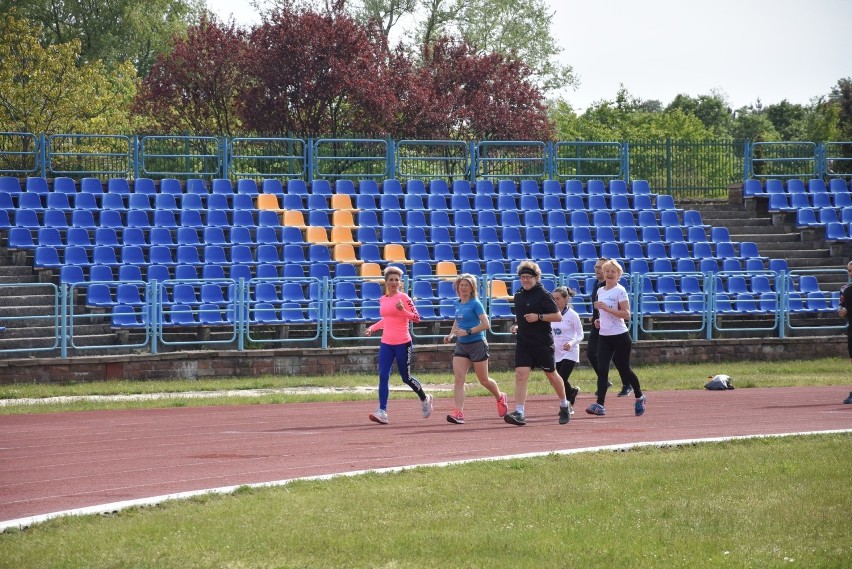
(747, 374)
(775, 502)
(755, 503)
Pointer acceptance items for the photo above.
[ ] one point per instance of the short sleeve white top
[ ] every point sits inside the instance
(612, 325)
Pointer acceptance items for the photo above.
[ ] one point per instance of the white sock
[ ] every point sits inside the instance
(519, 409)
(563, 403)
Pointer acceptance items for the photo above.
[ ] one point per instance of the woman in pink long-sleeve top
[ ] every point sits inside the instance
(397, 310)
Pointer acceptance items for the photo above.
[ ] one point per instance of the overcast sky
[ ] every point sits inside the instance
(745, 49)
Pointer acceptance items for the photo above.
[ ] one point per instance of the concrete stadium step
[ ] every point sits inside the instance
(18, 300)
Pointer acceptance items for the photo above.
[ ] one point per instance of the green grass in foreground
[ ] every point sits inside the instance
(828, 371)
(755, 503)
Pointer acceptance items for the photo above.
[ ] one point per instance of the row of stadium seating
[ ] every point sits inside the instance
(391, 186)
(754, 187)
(336, 202)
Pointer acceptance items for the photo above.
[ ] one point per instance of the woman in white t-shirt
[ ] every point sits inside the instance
(614, 343)
(567, 335)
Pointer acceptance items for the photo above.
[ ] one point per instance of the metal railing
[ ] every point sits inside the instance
(246, 319)
(588, 160)
(334, 158)
(21, 154)
(678, 167)
(90, 155)
(180, 157)
(513, 160)
(427, 159)
(783, 160)
(266, 158)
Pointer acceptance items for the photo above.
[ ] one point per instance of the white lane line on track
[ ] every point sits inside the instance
(114, 507)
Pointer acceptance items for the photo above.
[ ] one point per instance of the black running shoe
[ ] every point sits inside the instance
(625, 391)
(564, 415)
(515, 418)
(572, 395)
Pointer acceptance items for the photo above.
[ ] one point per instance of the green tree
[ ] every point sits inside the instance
(787, 118)
(712, 110)
(45, 89)
(516, 29)
(752, 123)
(627, 118)
(114, 31)
(842, 95)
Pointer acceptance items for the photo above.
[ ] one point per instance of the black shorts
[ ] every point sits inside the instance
(474, 351)
(535, 357)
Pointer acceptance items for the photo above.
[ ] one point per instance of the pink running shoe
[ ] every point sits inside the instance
(502, 407)
(456, 417)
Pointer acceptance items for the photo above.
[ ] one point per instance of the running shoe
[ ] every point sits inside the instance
(456, 417)
(640, 406)
(515, 418)
(848, 400)
(502, 407)
(379, 416)
(572, 395)
(564, 414)
(625, 391)
(596, 409)
(426, 404)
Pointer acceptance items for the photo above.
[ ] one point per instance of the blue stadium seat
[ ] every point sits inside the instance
(415, 187)
(144, 186)
(753, 187)
(244, 186)
(46, 258)
(595, 187)
(438, 186)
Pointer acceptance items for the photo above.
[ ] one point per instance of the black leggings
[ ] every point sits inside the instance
(564, 369)
(617, 350)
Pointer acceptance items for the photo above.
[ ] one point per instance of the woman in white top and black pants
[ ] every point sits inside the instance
(614, 343)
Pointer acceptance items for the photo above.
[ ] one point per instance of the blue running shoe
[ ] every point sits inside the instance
(596, 409)
(640, 406)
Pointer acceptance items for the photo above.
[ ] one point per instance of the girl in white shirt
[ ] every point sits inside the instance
(614, 343)
(567, 335)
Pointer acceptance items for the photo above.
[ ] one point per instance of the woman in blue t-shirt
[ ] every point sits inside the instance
(468, 330)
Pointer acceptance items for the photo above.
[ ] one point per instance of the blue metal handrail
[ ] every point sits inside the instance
(426, 159)
(586, 160)
(96, 155)
(267, 158)
(180, 156)
(335, 158)
(522, 159)
(21, 153)
(783, 160)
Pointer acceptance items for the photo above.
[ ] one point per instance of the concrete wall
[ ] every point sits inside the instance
(315, 361)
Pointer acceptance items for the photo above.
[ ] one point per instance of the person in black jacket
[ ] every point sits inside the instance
(534, 311)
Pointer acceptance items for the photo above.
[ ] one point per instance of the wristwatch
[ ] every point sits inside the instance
(540, 316)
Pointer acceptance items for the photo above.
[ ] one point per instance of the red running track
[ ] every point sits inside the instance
(55, 462)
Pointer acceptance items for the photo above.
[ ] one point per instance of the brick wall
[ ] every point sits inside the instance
(315, 361)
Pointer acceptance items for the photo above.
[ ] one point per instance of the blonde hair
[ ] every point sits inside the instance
(391, 270)
(470, 279)
(614, 264)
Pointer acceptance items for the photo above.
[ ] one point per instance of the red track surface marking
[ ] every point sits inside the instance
(56, 462)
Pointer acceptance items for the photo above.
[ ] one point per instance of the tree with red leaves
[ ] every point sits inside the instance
(317, 75)
(196, 86)
(484, 97)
